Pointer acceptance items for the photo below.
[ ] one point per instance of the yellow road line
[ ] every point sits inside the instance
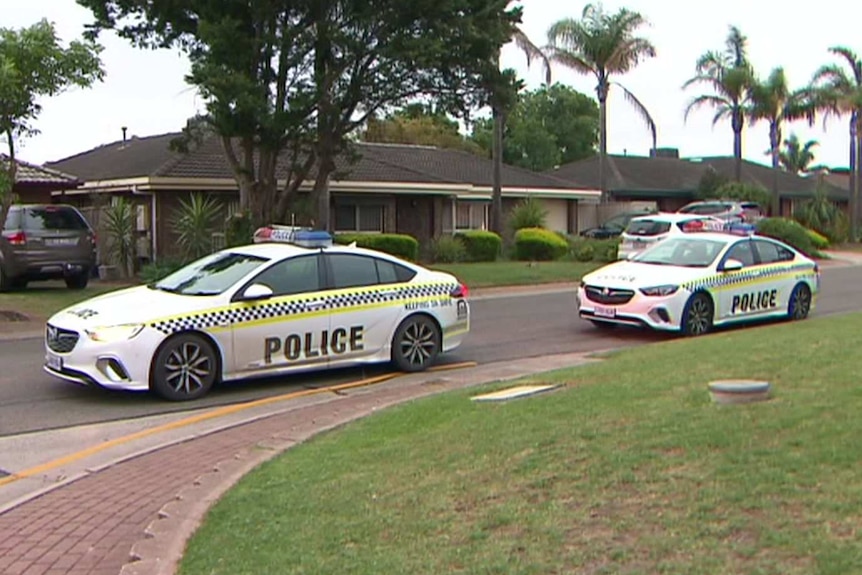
(218, 412)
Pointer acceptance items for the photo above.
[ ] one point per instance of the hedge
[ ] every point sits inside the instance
(539, 244)
(481, 246)
(399, 245)
(788, 231)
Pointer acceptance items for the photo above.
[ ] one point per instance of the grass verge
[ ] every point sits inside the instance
(41, 300)
(511, 273)
(628, 469)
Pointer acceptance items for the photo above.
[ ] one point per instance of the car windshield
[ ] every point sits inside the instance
(210, 275)
(682, 251)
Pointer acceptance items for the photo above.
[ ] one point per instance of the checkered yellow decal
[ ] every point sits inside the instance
(335, 301)
(750, 275)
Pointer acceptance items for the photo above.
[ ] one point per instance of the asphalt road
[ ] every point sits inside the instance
(503, 328)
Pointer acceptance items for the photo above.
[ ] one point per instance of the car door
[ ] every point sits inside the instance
(772, 258)
(289, 329)
(734, 294)
(366, 307)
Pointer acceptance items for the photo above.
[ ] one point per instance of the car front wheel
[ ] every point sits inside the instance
(416, 344)
(697, 316)
(184, 368)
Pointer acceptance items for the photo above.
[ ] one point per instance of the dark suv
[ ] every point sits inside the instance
(43, 242)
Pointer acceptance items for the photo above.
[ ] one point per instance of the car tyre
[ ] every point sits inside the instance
(78, 281)
(697, 317)
(5, 282)
(800, 302)
(185, 368)
(416, 344)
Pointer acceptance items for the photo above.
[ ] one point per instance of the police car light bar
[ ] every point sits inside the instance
(299, 236)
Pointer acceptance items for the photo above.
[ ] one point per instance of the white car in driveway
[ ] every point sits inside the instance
(692, 282)
(259, 310)
(645, 231)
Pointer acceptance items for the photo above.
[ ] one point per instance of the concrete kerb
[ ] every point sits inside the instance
(161, 548)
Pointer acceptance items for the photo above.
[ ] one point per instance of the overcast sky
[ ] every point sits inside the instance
(145, 91)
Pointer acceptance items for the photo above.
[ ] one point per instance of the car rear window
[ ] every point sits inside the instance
(13, 219)
(706, 209)
(53, 218)
(647, 227)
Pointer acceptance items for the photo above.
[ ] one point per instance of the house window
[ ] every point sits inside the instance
(471, 216)
(359, 218)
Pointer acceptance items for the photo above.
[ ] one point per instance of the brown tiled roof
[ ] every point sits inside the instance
(682, 176)
(151, 156)
(27, 173)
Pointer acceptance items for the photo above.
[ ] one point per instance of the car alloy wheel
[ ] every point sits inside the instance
(185, 368)
(416, 344)
(697, 317)
(800, 302)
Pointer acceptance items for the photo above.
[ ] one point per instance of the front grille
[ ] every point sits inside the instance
(60, 340)
(608, 296)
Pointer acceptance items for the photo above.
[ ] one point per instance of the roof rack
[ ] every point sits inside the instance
(295, 235)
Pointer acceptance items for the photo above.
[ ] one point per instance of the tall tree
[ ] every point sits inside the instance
(302, 76)
(727, 74)
(774, 102)
(837, 91)
(602, 45)
(34, 65)
(797, 157)
(503, 99)
(549, 126)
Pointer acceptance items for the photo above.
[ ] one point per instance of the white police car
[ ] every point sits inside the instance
(691, 282)
(258, 310)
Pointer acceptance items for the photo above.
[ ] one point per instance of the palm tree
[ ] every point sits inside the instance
(602, 45)
(728, 75)
(773, 101)
(498, 112)
(796, 157)
(837, 93)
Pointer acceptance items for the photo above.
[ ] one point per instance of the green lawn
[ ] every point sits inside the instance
(509, 273)
(630, 468)
(40, 300)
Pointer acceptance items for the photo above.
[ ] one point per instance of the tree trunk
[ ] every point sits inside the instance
(8, 195)
(853, 183)
(737, 123)
(774, 142)
(602, 93)
(320, 193)
(496, 223)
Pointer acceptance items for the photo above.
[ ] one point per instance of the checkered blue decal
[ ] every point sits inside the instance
(744, 276)
(338, 303)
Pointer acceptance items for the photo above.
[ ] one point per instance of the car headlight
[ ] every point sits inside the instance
(659, 290)
(114, 332)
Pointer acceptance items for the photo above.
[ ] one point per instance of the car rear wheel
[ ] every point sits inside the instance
(78, 281)
(800, 303)
(697, 316)
(185, 368)
(416, 343)
(5, 283)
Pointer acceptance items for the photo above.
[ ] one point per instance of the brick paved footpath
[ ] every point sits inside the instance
(90, 526)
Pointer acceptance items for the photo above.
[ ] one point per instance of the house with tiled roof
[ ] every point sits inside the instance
(672, 182)
(418, 190)
(35, 184)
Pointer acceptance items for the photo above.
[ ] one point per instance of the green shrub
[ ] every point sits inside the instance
(153, 272)
(593, 250)
(539, 244)
(819, 241)
(584, 251)
(399, 245)
(239, 230)
(529, 213)
(823, 216)
(481, 246)
(448, 250)
(606, 250)
(788, 231)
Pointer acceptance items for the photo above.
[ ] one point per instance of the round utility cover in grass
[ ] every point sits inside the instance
(739, 390)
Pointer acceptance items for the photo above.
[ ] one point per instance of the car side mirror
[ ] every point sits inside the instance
(732, 266)
(256, 292)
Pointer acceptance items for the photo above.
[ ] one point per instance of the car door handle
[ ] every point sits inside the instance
(389, 293)
(314, 305)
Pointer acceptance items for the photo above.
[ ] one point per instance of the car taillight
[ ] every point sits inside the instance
(460, 291)
(16, 238)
